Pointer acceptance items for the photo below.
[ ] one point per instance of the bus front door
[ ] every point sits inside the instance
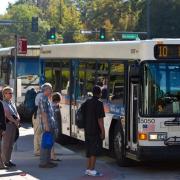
(74, 96)
(133, 116)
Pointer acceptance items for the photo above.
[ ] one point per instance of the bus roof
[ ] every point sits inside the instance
(140, 49)
(31, 51)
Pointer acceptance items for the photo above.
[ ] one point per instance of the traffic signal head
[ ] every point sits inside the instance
(51, 34)
(34, 24)
(102, 34)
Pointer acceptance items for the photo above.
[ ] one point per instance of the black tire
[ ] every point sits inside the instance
(119, 147)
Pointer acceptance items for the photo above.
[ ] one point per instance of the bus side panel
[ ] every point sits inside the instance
(65, 105)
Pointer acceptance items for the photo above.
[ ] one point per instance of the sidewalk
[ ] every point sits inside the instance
(71, 167)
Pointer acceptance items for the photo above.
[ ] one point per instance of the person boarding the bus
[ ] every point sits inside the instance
(94, 130)
(46, 114)
(12, 123)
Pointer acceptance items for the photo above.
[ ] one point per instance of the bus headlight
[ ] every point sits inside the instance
(156, 136)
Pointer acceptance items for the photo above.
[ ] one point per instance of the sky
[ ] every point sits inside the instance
(4, 5)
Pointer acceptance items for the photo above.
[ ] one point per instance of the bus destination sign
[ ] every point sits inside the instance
(167, 51)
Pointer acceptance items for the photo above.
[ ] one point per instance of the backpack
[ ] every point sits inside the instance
(29, 101)
(80, 116)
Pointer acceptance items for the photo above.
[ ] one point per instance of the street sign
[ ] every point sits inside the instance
(129, 36)
(86, 32)
(22, 45)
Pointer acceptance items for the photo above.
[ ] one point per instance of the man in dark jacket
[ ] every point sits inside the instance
(94, 130)
(2, 128)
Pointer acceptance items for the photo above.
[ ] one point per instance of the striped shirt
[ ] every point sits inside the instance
(45, 106)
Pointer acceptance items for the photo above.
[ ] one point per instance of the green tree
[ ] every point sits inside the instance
(164, 18)
(66, 19)
(23, 13)
(113, 15)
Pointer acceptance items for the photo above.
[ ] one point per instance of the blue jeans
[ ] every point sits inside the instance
(45, 154)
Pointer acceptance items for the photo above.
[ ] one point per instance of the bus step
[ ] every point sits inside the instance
(132, 156)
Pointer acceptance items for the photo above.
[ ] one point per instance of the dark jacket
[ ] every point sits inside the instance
(2, 118)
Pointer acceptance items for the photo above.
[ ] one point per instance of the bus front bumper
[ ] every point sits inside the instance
(158, 153)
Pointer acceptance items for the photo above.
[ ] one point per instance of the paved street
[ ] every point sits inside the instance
(72, 166)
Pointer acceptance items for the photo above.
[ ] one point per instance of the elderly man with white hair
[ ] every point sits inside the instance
(45, 112)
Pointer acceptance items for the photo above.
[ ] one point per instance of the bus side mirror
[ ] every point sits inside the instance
(134, 73)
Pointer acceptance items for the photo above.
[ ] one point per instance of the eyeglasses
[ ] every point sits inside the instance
(8, 93)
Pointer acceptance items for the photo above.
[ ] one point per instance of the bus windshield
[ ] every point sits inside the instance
(27, 67)
(28, 71)
(161, 89)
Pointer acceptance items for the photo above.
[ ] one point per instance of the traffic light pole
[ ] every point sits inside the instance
(15, 77)
(148, 19)
(15, 69)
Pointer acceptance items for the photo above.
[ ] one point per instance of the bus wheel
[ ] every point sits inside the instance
(119, 147)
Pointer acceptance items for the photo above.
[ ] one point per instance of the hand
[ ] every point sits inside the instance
(47, 128)
(17, 124)
(3, 133)
(103, 136)
(18, 120)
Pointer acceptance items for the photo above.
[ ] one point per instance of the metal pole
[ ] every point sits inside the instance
(15, 69)
(148, 19)
(15, 77)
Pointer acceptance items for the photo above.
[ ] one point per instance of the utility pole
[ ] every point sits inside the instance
(15, 69)
(148, 4)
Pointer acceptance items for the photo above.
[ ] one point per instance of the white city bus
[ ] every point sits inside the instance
(140, 81)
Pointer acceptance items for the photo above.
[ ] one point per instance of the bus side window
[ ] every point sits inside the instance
(65, 79)
(102, 78)
(117, 83)
(90, 75)
(80, 81)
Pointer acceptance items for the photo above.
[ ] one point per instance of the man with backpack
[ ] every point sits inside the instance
(94, 130)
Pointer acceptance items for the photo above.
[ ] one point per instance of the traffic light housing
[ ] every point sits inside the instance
(51, 34)
(34, 24)
(102, 34)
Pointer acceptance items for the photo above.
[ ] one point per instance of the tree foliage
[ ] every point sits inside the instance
(71, 16)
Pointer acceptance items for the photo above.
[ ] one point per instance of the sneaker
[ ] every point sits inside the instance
(4, 167)
(49, 165)
(94, 173)
(37, 154)
(10, 164)
(86, 171)
(54, 164)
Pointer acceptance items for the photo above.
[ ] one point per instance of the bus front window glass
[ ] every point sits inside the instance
(117, 83)
(80, 84)
(161, 89)
(28, 71)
